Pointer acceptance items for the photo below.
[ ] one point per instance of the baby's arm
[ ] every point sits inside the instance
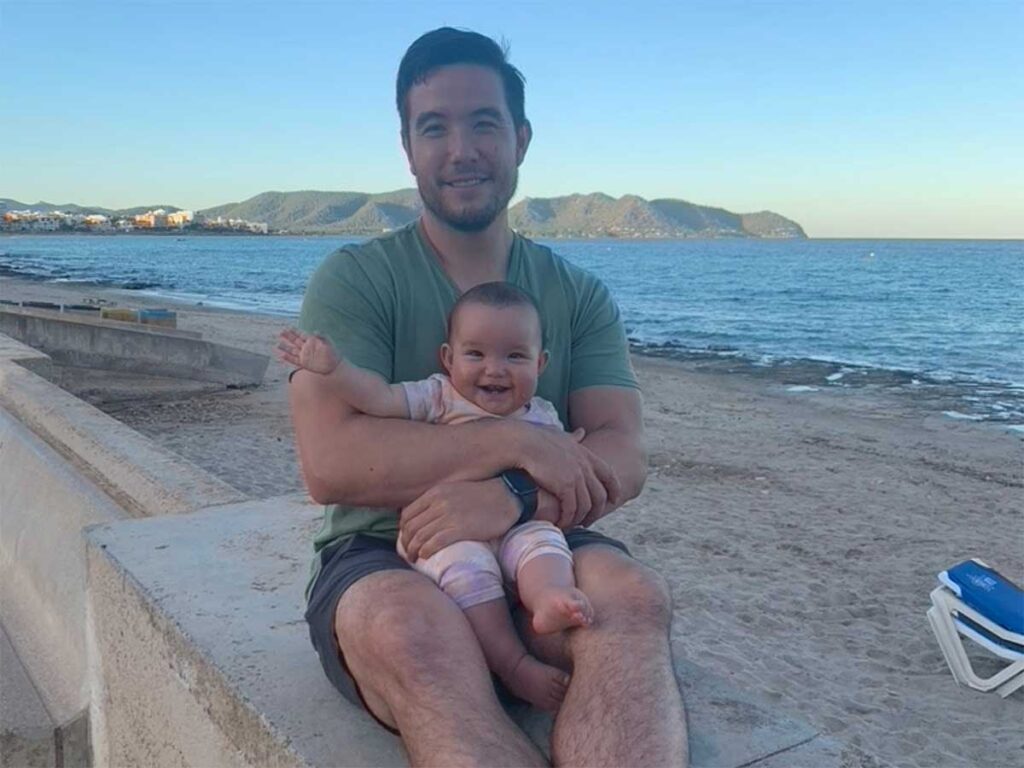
(363, 390)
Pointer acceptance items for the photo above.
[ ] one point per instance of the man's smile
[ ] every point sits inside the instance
(465, 181)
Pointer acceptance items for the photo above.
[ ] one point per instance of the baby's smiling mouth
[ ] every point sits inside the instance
(494, 389)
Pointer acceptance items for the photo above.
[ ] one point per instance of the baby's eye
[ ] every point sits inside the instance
(473, 353)
(517, 356)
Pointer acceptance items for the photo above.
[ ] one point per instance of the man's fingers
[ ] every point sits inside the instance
(419, 537)
(564, 519)
(567, 501)
(598, 497)
(608, 479)
(406, 527)
(437, 542)
(583, 501)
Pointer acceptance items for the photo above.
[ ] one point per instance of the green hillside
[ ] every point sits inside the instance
(584, 216)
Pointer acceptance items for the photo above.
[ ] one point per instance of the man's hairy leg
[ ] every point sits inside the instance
(623, 706)
(420, 669)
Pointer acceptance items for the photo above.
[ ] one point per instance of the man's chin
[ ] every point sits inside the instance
(468, 221)
(465, 218)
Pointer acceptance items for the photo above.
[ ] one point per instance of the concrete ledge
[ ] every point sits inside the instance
(45, 503)
(88, 343)
(94, 319)
(206, 658)
(25, 356)
(142, 477)
(65, 465)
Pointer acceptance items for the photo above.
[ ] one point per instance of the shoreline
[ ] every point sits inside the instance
(996, 404)
(800, 531)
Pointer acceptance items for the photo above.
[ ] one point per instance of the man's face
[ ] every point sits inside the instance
(462, 146)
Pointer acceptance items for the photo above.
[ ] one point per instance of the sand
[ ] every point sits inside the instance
(800, 531)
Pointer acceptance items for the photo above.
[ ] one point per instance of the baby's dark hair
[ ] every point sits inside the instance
(496, 294)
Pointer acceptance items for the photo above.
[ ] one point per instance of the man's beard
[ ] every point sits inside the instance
(471, 220)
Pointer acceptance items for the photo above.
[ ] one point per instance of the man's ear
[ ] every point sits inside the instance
(542, 362)
(407, 148)
(446, 355)
(524, 134)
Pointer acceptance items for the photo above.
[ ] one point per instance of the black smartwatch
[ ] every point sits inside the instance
(524, 489)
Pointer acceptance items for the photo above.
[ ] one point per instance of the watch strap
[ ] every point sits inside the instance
(523, 488)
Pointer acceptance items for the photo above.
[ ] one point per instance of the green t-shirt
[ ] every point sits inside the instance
(385, 303)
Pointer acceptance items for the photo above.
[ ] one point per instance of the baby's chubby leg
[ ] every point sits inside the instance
(468, 573)
(536, 556)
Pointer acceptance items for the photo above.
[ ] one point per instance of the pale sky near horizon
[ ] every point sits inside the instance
(856, 119)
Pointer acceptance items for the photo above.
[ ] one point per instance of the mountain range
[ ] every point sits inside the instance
(582, 216)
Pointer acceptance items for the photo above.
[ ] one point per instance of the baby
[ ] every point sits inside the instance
(493, 357)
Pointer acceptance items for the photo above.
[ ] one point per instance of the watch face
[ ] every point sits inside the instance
(520, 483)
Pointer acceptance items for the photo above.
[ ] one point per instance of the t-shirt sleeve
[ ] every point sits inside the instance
(343, 304)
(600, 352)
(425, 398)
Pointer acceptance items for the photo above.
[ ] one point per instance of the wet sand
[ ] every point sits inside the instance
(800, 531)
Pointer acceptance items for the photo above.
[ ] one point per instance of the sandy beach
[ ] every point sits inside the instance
(801, 531)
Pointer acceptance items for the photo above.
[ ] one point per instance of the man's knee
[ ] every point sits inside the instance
(623, 589)
(404, 631)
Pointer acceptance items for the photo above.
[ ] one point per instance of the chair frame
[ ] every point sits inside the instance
(942, 616)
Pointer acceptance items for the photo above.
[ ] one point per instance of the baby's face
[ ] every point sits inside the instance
(494, 356)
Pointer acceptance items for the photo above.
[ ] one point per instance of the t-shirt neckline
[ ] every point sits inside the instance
(511, 274)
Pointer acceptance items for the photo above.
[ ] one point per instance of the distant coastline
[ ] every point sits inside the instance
(360, 214)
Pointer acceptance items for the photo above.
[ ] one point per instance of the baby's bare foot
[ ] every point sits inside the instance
(541, 685)
(561, 608)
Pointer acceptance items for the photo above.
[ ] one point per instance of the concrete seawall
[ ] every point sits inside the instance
(90, 343)
(65, 465)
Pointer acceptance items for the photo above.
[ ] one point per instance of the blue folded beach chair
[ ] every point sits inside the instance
(979, 603)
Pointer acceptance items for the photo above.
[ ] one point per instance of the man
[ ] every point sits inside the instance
(388, 637)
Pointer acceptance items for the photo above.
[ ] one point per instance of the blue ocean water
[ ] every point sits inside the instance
(899, 313)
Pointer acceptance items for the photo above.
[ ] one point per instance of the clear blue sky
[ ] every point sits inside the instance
(857, 119)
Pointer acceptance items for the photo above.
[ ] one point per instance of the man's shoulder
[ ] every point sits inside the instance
(543, 258)
(556, 278)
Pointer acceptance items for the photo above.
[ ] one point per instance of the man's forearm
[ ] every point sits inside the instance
(391, 462)
(350, 458)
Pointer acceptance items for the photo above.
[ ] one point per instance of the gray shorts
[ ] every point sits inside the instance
(342, 564)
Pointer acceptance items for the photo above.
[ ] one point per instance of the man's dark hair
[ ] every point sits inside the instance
(497, 294)
(445, 46)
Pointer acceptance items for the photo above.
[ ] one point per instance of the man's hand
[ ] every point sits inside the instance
(457, 511)
(582, 482)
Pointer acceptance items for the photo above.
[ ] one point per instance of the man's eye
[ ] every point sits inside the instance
(432, 130)
(486, 125)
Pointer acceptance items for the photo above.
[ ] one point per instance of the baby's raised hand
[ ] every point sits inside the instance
(303, 350)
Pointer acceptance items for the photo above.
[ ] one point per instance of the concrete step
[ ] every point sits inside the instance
(206, 659)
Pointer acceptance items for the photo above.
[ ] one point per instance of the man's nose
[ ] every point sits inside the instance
(462, 144)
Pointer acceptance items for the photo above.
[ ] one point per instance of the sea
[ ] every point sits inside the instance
(939, 320)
